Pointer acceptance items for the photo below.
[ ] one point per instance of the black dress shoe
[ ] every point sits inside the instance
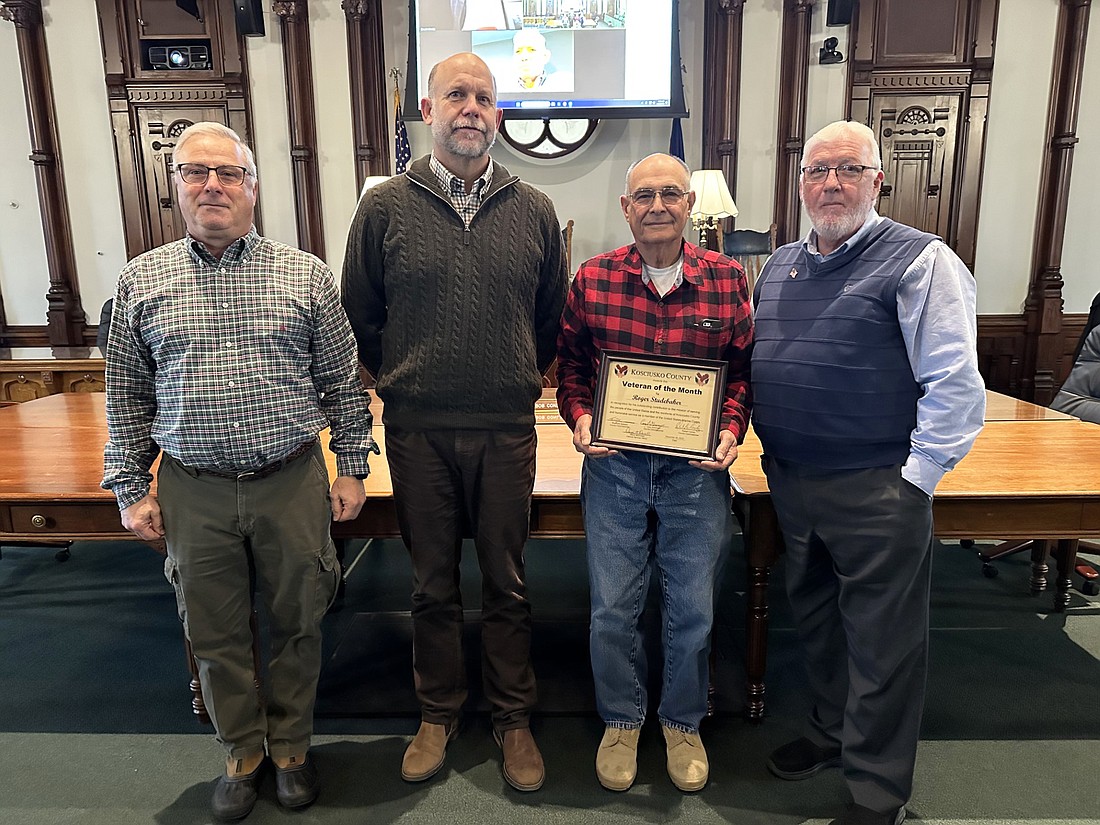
(235, 796)
(297, 786)
(858, 815)
(802, 759)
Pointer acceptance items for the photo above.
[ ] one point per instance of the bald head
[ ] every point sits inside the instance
(658, 159)
(463, 61)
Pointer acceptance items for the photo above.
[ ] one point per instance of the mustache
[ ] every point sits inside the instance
(471, 125)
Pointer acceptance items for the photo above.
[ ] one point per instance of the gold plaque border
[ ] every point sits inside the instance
(717, 387)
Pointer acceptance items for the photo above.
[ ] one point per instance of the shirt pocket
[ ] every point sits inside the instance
(707, 338)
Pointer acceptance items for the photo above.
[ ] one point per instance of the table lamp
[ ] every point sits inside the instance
(713, 202)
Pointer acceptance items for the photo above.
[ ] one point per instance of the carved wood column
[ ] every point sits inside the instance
(367, 75)
(1043, 308)
(722, 88)
(793, 80)
(298, 65)
(64, 314)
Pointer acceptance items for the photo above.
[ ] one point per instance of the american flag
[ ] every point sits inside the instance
(402, 151)
(676, 140)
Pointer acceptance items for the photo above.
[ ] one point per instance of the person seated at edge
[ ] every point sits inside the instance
(659, 295)
(1080, 395)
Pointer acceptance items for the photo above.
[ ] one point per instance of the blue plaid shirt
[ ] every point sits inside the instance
(229, 364)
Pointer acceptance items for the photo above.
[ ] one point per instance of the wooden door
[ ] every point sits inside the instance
(917, 134)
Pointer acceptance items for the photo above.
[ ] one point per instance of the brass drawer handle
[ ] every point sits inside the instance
(38, 521)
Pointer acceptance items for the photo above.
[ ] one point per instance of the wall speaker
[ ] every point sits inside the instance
(250, 17)
(840, 12)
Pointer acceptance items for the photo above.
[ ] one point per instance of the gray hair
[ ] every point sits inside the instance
(630, 169)
(213, 129)
(845, 129)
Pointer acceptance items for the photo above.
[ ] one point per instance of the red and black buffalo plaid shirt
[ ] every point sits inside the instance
(610, 307)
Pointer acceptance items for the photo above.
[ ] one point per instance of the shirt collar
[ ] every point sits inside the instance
(692, 273)
(236, 252)
(810, 242)
(452, 184)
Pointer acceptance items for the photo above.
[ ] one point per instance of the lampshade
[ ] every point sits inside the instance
(712, 196)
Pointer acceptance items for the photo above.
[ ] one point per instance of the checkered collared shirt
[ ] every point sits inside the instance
(230, 364)
(610, 307)
(465, 203)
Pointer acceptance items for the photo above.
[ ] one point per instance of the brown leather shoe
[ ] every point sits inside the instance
(425, 754)
(523, 768)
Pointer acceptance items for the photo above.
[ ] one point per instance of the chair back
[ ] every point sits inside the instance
(567, 239)
(750, 248)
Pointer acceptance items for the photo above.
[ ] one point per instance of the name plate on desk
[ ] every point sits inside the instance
(546, 411)
(658, 404)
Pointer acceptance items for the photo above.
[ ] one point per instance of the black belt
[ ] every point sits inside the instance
(262, 472)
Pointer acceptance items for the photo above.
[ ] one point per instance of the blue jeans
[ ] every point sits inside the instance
(636, 507)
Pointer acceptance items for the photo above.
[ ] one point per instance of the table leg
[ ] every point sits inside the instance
(1067, 560)
(763, 544)
(1039, 551)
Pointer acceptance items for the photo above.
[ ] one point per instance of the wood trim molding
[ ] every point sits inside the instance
(722, 88)
(367, 78)
(297, 63)
(64, 314)
(793, 81)
(1043, 307)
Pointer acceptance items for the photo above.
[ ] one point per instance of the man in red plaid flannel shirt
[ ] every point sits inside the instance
(660, 295)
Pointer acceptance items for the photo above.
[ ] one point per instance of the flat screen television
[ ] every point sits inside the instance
(556, 58)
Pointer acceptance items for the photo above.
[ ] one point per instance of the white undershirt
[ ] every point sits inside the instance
(664, 278)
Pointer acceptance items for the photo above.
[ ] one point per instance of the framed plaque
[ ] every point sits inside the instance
(658, 404)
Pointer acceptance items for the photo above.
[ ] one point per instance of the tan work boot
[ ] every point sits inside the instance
(617, 758)
(688, 767)
(425, 753)
(523, 768)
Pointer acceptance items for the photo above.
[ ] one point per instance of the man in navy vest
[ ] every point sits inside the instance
(866, 391)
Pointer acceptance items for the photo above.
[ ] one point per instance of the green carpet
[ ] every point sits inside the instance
(96, 726)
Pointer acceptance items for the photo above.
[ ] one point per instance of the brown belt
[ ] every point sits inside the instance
(264, 471)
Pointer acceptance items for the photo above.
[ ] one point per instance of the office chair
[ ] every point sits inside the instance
(1040, 548)
(750, 248)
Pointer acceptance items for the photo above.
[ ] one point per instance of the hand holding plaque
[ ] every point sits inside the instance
(658, 404)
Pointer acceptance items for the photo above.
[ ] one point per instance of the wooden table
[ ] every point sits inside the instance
(51, 463)
(1024, 479)
(1034, 478)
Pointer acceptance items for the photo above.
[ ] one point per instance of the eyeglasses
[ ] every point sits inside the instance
(200, 173)
(670, 196)
(845, 173)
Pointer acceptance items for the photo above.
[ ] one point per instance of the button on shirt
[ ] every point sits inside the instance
(611, 306)
(465, 203)
(230, 364)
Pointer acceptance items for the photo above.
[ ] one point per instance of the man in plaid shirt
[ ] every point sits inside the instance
(660, 295)
(227, 355)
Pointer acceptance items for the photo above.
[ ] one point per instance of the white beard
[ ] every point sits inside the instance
(833, 227)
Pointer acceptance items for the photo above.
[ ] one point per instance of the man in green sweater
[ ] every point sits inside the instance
(454, 281)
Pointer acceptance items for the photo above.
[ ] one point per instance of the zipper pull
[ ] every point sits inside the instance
(466, 236)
